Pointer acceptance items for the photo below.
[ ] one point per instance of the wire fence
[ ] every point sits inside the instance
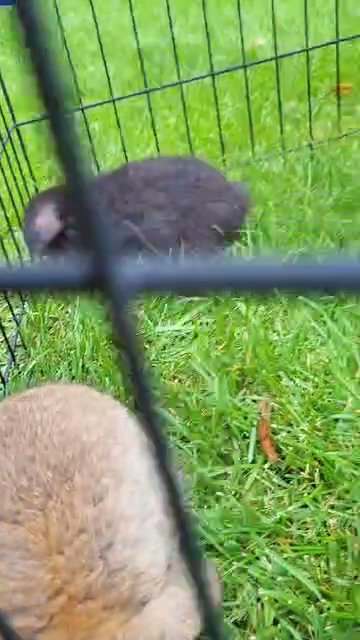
(167, 70)
(120, 281)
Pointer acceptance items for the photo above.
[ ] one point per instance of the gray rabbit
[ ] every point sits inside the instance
(165, 205)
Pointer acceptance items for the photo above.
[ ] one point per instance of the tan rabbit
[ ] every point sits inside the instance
(87, 547)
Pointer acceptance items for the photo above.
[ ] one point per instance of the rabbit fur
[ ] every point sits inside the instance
(166, 205)
(88, 549)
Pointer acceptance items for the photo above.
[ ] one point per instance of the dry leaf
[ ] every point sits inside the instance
(343, 89)
(264, 433)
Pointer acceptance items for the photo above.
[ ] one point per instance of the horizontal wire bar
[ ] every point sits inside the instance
(196, 277)
(191, 276)
(72, 275)
(185, 81)
(312, 144)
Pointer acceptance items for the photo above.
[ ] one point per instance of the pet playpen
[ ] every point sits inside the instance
(20, 179)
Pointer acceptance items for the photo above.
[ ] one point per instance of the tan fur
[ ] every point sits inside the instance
(87, 547)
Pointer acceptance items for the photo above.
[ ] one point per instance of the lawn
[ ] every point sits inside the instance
(285, 536)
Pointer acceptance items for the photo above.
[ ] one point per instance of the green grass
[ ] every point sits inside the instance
(286, 536)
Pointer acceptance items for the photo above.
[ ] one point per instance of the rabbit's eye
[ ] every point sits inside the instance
(63, 239)
(58, 242)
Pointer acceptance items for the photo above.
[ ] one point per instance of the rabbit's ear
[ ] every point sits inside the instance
(47, 223)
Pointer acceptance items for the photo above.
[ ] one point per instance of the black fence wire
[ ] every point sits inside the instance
(211, 71)
(120, 281)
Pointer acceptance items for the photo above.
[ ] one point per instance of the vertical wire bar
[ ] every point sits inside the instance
(11, 343)
(278, 77)
(108, 79)
(15, 340)
(213, 81)
(338, 67)
(3, 118)
(6, 630)
(98, 237)
(7, 219)
(308, 72)
(6, 153)
(2, 244)
(11, 142)
(179, 77)
(6, 295)
(144, 76)
(76, 84)
(14, 315)
(4, 137)
(18, 132)
(8, 188)
(10, 305)
(11, 230)
(3, 384)
(6, 216)
(10, 346)
(17, 248)
(246, 78)
(5, 140)
(27, 160)
(7, 342)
